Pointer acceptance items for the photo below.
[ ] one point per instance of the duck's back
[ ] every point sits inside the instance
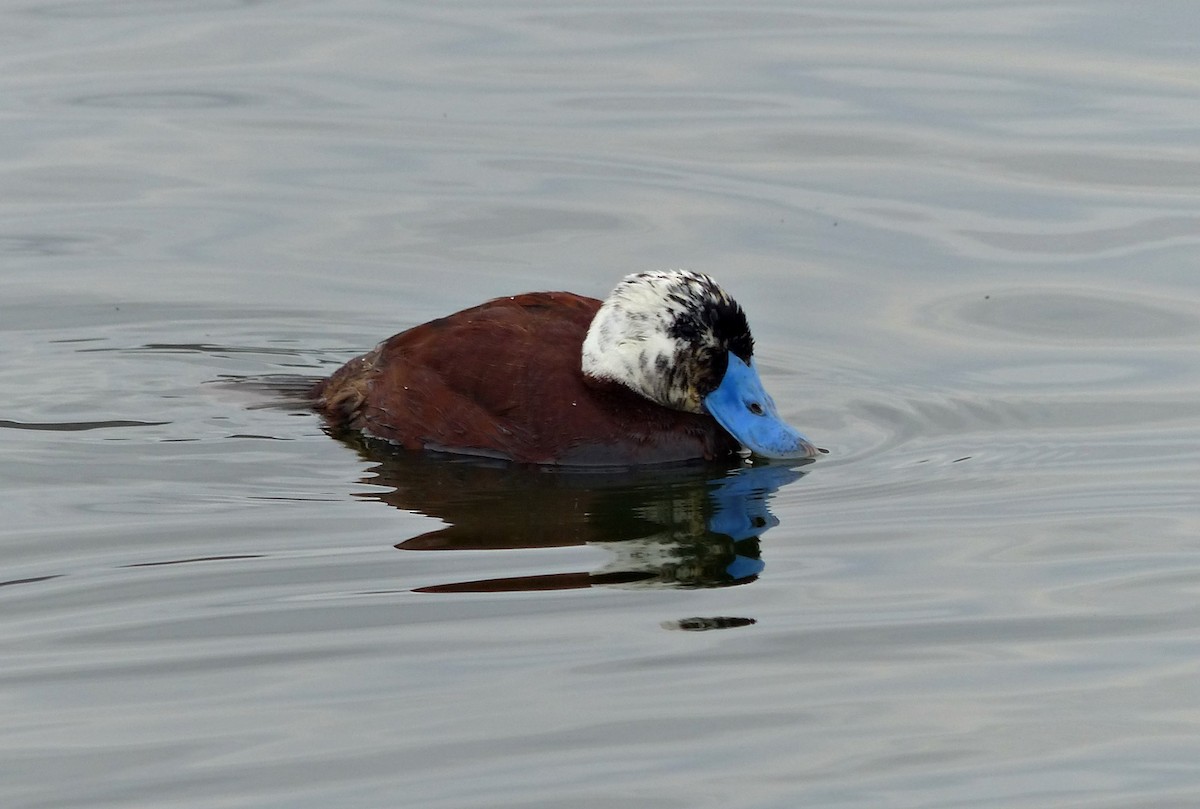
(504, 379)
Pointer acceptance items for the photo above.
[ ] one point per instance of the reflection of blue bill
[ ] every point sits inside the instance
(740, 500)
(744, 567)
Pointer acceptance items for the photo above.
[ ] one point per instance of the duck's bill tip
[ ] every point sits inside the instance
(799, 449)
(807, 449)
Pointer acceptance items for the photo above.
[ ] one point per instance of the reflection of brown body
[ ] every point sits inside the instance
(654, 522)
(501, 506)
(504, 379)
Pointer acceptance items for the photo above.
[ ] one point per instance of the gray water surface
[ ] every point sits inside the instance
(965, 234)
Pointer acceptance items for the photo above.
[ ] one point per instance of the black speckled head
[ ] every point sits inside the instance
(667, 335)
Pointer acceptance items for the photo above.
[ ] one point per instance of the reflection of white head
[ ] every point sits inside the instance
(667, 335)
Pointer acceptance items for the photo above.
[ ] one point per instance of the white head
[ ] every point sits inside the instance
(678, 339)
(667, 335)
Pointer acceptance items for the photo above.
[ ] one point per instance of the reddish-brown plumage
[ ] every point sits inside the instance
(504, 379)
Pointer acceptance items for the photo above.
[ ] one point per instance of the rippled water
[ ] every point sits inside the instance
(965, 233)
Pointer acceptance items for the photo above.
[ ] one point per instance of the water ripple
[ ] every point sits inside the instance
(1062, 316)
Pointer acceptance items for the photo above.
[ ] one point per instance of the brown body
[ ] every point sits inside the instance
(504, 379)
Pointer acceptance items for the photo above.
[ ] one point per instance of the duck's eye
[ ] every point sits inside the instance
(756, 408)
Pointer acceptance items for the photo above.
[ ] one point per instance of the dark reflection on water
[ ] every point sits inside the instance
(75, 426)
(177, 99)
(685, 526)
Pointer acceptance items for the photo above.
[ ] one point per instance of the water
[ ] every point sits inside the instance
(965, 233)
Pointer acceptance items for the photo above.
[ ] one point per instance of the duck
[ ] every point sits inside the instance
(662, 371)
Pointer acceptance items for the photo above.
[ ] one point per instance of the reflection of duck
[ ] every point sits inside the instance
(675, 527)
(662, 371)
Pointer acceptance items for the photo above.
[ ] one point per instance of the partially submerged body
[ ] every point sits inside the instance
(557, 378)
